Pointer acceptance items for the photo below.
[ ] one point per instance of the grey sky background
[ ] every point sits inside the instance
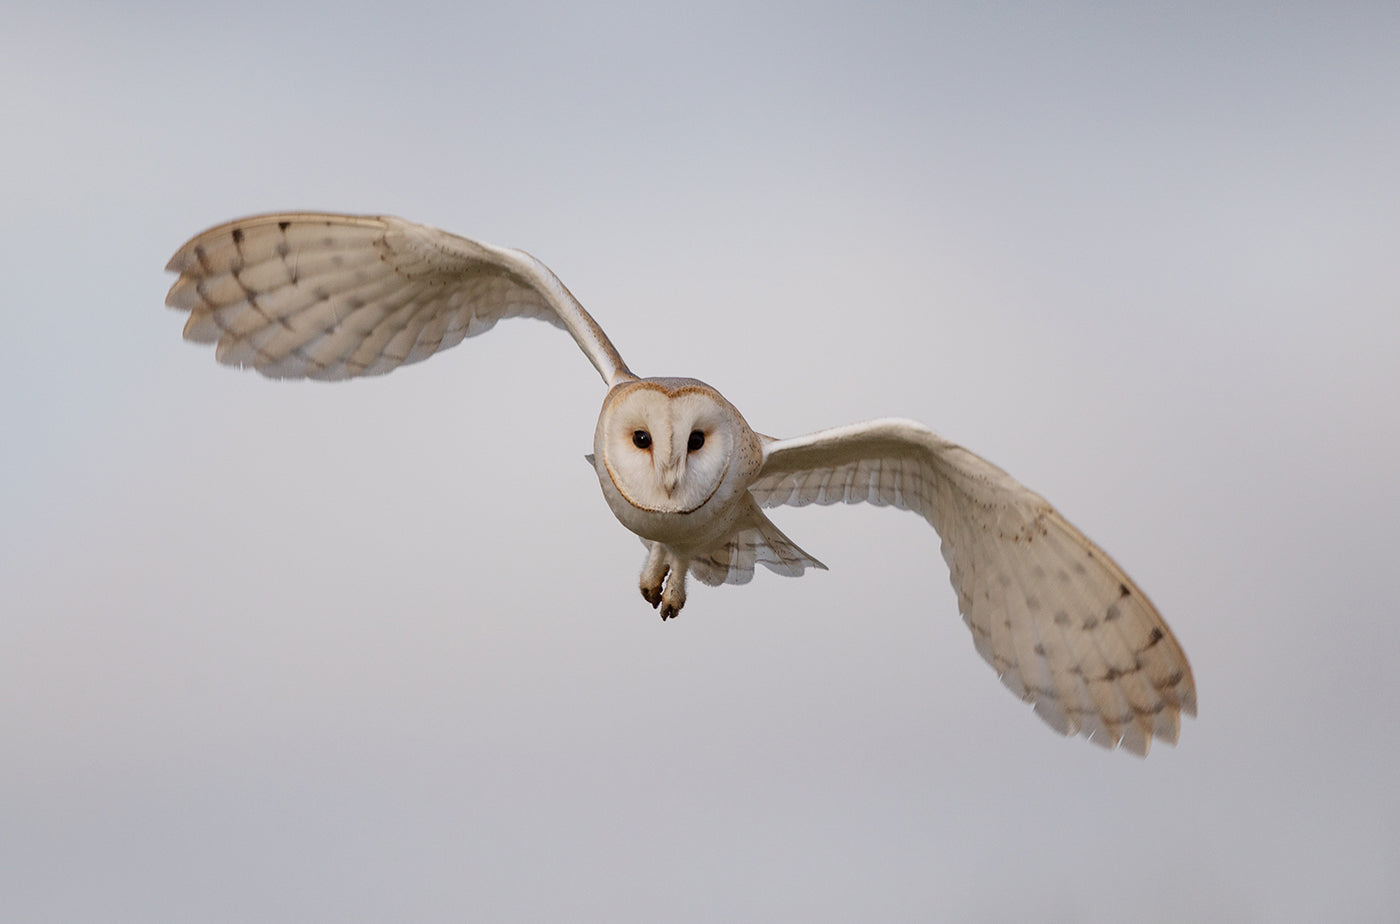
(374, 651)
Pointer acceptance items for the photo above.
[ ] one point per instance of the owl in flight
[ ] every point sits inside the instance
(323, 296)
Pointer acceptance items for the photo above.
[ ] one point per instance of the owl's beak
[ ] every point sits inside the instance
(671, 471)
(670, 477)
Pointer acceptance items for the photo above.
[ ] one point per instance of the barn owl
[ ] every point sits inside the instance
(323, 296)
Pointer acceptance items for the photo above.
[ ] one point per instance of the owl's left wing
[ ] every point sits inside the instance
(325, 296)
(1063, 626)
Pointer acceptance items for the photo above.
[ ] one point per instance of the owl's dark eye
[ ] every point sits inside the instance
(697, 439)
(641, 439)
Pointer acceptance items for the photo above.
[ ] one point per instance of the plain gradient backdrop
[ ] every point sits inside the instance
(372, 651)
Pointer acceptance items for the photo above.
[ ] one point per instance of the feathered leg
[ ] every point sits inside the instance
(654, 573)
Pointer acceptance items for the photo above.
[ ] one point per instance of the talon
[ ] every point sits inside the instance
(669, 612)
(652, 595)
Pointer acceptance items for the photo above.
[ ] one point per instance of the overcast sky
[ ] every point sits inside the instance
(292, 652)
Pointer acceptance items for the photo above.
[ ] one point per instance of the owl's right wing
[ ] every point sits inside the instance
(1063, 626)
(325, 296)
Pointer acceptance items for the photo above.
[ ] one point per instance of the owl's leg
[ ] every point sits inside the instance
(667, 594)
(654, 573)
(674, 597)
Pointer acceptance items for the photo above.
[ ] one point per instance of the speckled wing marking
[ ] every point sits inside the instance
(323, 296)
(1065, 628)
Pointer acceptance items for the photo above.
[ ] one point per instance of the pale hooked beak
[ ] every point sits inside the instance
(671, 473)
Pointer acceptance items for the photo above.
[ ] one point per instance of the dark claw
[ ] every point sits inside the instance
(669, 612)
(652, 596)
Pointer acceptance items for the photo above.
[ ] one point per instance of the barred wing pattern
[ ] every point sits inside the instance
(755, 541)
(324, 296)
(1063, 626)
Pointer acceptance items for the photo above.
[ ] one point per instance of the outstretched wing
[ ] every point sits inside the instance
(1062, 624)
(322, 296)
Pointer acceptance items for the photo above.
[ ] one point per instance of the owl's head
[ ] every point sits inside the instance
(667, 444)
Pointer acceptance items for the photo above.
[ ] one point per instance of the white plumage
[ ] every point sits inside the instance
(302, 295)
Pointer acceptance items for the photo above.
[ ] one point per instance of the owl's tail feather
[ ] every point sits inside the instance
(755, 540)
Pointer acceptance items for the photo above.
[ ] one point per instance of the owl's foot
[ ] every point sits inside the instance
(670, 600)
(674, 597)
(654, 574)
(661, 593)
